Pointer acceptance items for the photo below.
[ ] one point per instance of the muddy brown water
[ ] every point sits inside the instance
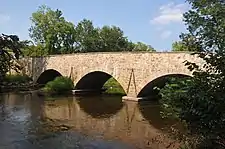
(28, 121)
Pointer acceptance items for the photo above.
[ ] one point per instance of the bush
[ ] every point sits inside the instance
(173, 94)
(59, 85)
(17, 78)
(200, 103)
(113, 87)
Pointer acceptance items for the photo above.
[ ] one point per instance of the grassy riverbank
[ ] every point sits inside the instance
(17, 82)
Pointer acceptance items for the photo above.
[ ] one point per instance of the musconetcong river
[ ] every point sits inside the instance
(28, 121)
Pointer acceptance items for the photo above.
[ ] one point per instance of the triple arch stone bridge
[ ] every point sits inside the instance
(137, 73)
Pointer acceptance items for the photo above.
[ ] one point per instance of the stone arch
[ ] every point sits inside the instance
(148, 90)
(48, 75)
(94, 81)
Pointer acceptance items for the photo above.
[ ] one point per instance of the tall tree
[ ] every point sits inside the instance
(105, 39)
(9, 51)
(112, 39)
(52, 34)
(50, 29)
(202, 105)
(87, 37)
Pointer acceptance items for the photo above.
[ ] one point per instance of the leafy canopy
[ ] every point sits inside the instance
(50, 29)
(202, 103)
(52, 34)
(9, 51)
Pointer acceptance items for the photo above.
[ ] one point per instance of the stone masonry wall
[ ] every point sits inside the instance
(132, 70)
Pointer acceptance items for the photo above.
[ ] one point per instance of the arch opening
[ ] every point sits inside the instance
(48, 75)
(94, 82)
(150, 91)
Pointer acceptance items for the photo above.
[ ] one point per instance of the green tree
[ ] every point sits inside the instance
(139, 46)
(112, 39)
(50, 30)
(105, 39)
(52, 34)
(203, 107)
(187, 44)
(178, 46)
(9, 52)
(87, 37)
(35, 50)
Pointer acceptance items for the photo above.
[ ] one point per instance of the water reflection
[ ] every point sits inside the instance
(101, 107)
(102, 122)
(151, 112)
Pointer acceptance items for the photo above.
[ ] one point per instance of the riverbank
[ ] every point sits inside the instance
(17, 83)
(14, 87)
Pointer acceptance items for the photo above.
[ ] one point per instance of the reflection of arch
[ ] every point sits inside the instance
(101, 107)
(48, 75)
(93, 81)
(159, 82)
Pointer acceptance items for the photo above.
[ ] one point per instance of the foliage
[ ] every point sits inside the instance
(173, 94)
(32, 50)
(51, 30)
(9, 51)
(52, 34)
(59, 85)
(86, 37)
(112, 38)
(203, 109)
(17, 78)
(178, 46)
(185, 45)
(139, 46)
(113, 87)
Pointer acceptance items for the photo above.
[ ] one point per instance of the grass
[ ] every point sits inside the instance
(113, 87)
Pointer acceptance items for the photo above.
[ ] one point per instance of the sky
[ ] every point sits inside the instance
(155, 22)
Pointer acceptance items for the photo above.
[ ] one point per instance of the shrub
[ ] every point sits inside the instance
(173, 94)
(17, 78)
(113, 87)
(59, 85)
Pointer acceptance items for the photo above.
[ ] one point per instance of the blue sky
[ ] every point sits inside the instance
(154, 22)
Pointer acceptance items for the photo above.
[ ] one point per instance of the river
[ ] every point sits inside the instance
(28, 121)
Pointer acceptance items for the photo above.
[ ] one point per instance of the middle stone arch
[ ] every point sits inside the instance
(94, 81)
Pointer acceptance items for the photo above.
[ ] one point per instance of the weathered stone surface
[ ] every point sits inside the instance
(132, 70)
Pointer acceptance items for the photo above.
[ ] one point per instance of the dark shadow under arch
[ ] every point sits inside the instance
(48, 75)
(101, 106)
(93, 81)
(150, 91)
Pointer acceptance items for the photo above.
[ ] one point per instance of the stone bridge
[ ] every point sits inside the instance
(137, 73)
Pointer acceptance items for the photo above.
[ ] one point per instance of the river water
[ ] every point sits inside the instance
(28, 121)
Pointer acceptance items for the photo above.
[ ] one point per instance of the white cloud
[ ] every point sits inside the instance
(166, 34)
(170, 13)
(4, 18)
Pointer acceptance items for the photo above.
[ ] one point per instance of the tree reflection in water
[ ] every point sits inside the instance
(150, 110)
